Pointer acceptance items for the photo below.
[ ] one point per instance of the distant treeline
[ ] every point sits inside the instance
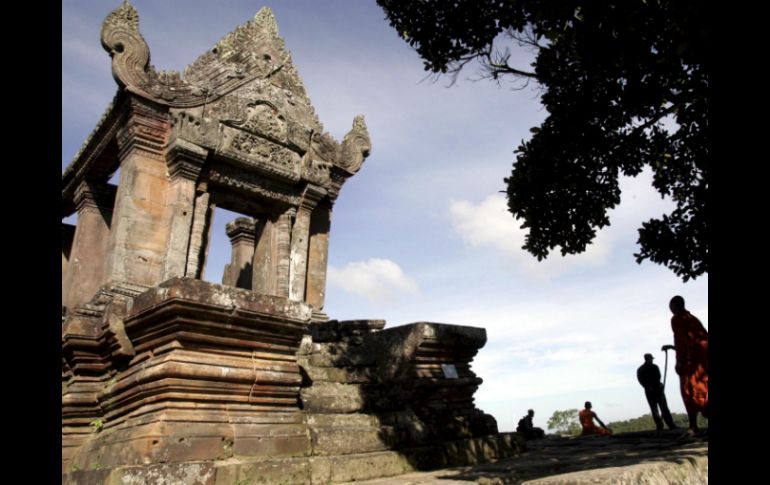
(645, 423)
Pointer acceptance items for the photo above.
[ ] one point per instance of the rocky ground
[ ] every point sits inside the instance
(623, 459)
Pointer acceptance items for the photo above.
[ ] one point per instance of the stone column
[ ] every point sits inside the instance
(185, 161)
(242, 234)
(199, 235)
(300, 236)
(205, 242)
(85, 269)
(265, 271)
(138, 240)
(318, 255)
(283, 251)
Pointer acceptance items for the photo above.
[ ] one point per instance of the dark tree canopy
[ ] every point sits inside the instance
(625, 85)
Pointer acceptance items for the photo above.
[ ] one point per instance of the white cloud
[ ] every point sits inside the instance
(639, 202)
(488, 224)
(375, 279)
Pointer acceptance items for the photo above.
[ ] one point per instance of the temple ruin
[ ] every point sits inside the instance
(166, 375)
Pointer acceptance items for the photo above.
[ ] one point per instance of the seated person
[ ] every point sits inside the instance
(587, 421)
(526, 427)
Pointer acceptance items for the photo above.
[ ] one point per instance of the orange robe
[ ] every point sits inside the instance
(586, 417)
(691, 342)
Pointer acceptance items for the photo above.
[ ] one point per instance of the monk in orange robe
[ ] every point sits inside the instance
(587, 417)
(691, 343)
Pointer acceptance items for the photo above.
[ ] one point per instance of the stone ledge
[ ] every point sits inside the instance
(314, 470)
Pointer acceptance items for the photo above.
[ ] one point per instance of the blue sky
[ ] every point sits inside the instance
(421, 233)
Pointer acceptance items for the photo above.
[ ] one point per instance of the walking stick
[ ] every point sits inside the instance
(665, 349)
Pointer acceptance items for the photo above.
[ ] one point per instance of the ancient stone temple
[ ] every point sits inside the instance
(167, 376)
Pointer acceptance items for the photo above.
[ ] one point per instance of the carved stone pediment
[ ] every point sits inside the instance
(243, 99)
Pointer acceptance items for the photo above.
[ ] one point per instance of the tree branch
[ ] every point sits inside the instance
(500, 65)
(656, 118)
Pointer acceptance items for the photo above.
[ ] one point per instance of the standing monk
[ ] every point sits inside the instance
(691, 342)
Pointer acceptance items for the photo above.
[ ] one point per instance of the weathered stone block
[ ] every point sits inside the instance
(357, 467)
(344, 441)
(181, 473)
(265, 472)
(271, 440)
(332, 397)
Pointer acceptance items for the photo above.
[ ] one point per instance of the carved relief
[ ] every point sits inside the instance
(253, 184)
(264, 119)
(324, 147)
(316, 171)
(298, 136)
(202, 131)
(257, 117)
(231, 110)
(265, 151)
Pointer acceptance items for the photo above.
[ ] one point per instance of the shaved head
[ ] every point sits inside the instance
(676, 304)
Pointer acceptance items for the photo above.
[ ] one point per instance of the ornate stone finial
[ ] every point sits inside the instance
(129, 51)
(265, 21)
(356, 145)
(253, 50)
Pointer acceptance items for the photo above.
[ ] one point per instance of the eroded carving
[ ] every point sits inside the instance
(253, 184)
(356, 146)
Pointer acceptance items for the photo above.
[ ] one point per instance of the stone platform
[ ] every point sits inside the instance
(624, 459)
(307, 470)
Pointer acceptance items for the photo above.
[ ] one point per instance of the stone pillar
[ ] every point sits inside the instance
(85, 269)
(185, 161)
(199, 236)
(300, 236)
(242, 234)
(67, 236)
(139, 236)
(283, 251)
(318, 255)
(265, 270)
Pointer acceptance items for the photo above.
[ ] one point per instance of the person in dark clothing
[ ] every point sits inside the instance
(648, 375)
(526, 427)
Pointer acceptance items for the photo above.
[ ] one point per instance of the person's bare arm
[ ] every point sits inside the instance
(598, 420)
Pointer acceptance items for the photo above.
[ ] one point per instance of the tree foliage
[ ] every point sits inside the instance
(565, 422)
(625, 85)
(646, 423)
